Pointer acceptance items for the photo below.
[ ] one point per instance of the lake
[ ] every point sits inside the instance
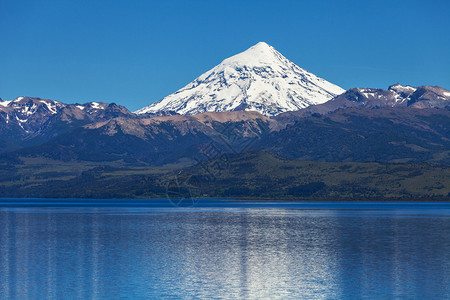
(220, 249)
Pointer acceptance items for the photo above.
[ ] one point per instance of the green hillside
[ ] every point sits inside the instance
(255, 175)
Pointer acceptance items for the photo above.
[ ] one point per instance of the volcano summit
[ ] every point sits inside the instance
(258, 79)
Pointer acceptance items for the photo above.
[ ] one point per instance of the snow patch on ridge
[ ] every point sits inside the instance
(50, 106)
(5, 103)
(96, 105)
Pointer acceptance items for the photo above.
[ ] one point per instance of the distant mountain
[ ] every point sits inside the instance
(259, 79)
(401, 124)
(30, 121)
(157, 140)
(387, 134)
(395, 96)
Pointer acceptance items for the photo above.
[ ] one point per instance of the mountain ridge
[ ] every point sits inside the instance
(396, 95)
(31, 120)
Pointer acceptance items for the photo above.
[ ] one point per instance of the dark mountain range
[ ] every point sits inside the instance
(157, 140)
(29, 121)
(389, 134)
(396, 96)
(400, 124)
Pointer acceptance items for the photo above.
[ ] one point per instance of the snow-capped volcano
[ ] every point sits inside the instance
(258, 79)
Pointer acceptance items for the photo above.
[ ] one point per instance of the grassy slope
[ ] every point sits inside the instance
(248, 175)
(260, 174)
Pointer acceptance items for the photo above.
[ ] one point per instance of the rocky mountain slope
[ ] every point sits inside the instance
(389, 134)
(259, 79)
(395, 96)
(401, 124)
(157, 140)
(29, 121)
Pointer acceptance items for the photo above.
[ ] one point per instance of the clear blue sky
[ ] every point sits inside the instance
(136, 52)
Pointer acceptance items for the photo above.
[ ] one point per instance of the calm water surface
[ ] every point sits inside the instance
(105, 249)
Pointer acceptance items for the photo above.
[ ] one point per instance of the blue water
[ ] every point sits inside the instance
(219, 249)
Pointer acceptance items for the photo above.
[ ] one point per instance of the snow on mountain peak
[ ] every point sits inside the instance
(402, 88)
(4, 103)
(260, 54)
(258, 79)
